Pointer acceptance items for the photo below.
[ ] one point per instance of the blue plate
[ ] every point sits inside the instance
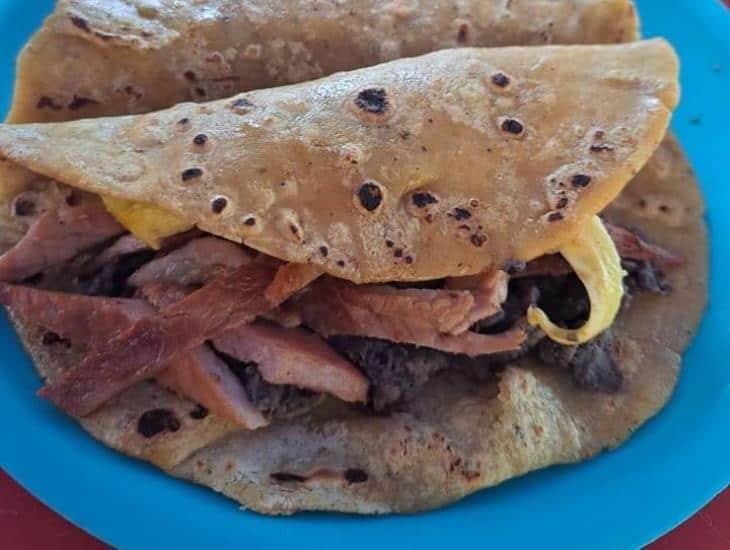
(674, 464)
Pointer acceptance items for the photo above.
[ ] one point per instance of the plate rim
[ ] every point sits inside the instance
(59, 427)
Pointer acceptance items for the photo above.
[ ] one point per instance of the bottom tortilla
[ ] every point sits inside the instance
(458, 436)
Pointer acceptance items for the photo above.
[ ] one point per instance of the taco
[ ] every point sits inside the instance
(397, 330)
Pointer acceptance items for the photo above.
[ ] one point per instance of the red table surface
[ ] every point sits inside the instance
(27, 524)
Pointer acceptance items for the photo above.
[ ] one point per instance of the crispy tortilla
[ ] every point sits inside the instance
(415, 169)
(117, 57)
(457, 436)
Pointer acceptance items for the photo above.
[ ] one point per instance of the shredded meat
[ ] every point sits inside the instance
(591, 364)
(142, 351)
(397, 372)
(193, 263)
(58, 235)
(81, 319)
(198, 375)
(201, 376)
(111, 278)
(274, 401)
(398, 336)
(123, 246)
(645, 276)
(437, 319)
(295, 357)
(163, 295)
(291, 276)
(632, 247)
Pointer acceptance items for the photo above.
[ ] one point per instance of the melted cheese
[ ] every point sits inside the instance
(593, 257)
(147, 222)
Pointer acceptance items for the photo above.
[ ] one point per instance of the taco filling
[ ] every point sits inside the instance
(370, 344)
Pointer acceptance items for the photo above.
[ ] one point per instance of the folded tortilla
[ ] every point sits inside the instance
(441, 165)
(119, 56)
(458, 435)
(130, 56)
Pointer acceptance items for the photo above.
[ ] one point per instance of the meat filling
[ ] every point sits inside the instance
(396, 371)
(273, 401)
(398, 336)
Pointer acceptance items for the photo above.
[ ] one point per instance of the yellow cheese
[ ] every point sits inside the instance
(593, 257)
(147, 222)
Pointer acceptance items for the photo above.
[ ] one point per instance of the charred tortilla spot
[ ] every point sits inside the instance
(183, 121)
(477, 239)
(50, 338)
(512, 126)
(341, 263)
(23, 207)
(421, 199)
(241, 106)
(47, 102)
(355, 475)
(80, 23)
(461, 214)
(389, 243)
(200, 139)
(408, 259)
(562, 202)
(288, 225)
(370, 196)
(199, 412)
(191, 173)
(463, 231)
(555, 216)
(131, 90)
(398, 253)
(284, 477)
(191, 76)
(324, 251)
(200, 92)
(500, 80)
(372, 100)
(156, 421)
(463, 34)
(580, 180)
(600, 147)
(218, 204)
(79, 102)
